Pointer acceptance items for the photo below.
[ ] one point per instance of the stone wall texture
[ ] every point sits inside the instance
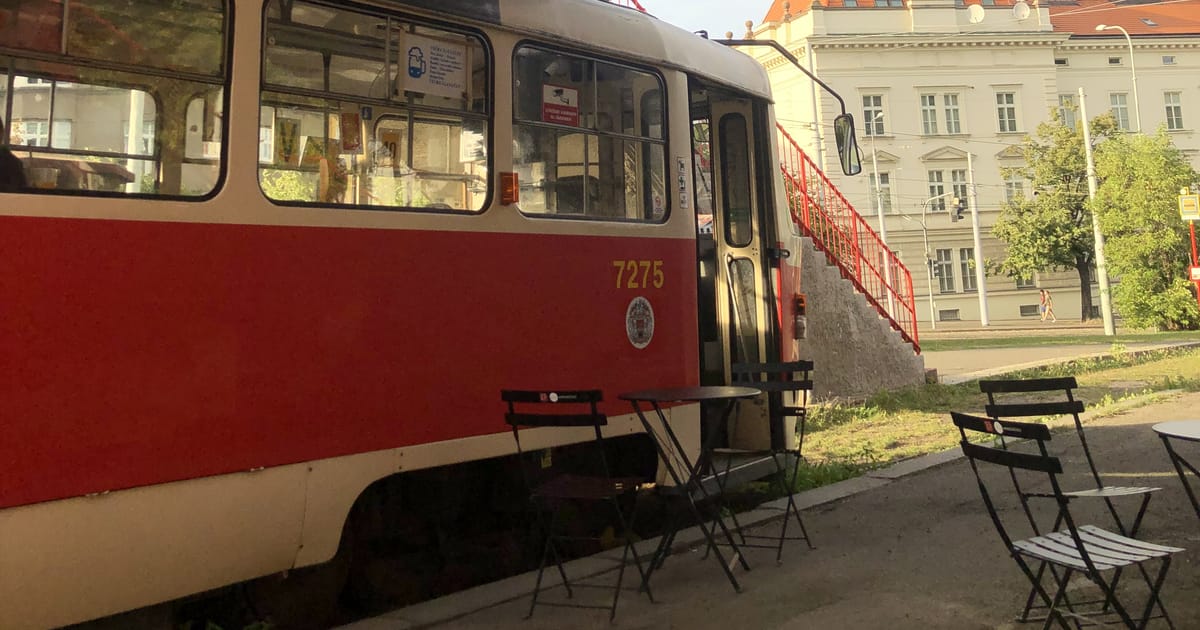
(855, 352)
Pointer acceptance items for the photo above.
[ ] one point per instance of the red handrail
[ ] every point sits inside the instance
(632, 4)
(836, 228)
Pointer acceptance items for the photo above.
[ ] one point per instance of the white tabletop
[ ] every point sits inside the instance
(1181, 429)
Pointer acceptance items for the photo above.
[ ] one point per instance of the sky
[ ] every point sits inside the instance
(714, 16)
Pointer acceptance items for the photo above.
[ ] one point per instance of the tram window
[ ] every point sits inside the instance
(735, 166)
(132, 124)
(589, 137)
(344, 122)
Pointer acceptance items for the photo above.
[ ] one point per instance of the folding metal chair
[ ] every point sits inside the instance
(1068, 405)
(786, 420)
(590, 481)
(1078, 549)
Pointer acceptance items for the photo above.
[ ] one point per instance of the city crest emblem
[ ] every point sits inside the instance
(639, 322)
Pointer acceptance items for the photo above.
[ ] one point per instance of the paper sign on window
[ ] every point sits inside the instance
(560, 105)
(432, 66)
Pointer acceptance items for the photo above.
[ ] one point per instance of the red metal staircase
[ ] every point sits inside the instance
(836, 228)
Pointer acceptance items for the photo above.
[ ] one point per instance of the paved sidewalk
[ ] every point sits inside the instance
(907, 547)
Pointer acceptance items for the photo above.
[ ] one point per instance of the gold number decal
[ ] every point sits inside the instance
(639, 274)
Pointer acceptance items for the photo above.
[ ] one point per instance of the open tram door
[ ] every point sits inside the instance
(736, 253)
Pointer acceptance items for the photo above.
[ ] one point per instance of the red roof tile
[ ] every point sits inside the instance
(1080, 17)
(1172, 17)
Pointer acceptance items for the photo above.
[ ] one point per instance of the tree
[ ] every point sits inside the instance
(1146, 243)
(1053, 228)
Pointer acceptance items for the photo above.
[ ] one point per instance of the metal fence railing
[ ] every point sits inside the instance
(632, 4)
(837, 229)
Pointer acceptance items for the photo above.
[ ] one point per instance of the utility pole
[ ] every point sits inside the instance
(1101, 265)
(980, 272)
(887, 267)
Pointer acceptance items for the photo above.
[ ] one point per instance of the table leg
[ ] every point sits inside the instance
(686, 486)
(1180, 463)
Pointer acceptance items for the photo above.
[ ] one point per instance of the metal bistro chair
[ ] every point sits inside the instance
(594, 483)
(1068, 405)
(775, 380)
(1084, 549)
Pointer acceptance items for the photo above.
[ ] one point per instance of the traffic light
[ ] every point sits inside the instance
(957, 208)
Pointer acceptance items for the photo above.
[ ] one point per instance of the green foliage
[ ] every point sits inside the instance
(1146, 243)
(1052, 229)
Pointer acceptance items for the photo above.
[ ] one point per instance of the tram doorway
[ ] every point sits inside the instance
(735, 231)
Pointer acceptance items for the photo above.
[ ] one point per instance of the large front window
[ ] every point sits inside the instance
(588, 137)
(372, 110)
(966, 263)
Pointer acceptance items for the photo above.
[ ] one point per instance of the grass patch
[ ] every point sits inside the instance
(846, 439)
(973, 343)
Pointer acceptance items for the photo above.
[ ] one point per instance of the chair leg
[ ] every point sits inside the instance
(791, 501)
(1154, 598)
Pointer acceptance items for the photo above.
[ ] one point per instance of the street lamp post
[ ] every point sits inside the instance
(928, 259)
(887, 267)
(1137, 110)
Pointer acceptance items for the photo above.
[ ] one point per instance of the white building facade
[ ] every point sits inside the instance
(943, 93)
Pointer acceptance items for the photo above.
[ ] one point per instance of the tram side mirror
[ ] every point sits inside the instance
(847, 145)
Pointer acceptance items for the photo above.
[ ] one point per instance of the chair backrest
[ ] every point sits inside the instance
(1014, 462)
(1064, 405)
(531, 409)
(776, 378)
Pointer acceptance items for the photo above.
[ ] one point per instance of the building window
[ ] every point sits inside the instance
(958, 183)
(943, 269)
(1026, 283)
(146, 144)
(37, 133)
(952, 120)
(850, 3)
(881, 194)
(937, 192)
(873, 114)
(1030, 310)
(1006, 111)
(949, 315)
(966, 263)
(929, 124)
(1168, 60)
(1120, 109)
(1060, 62)
(1067, 109)
(1114, 61)
(1174, 104)
(1014, 188)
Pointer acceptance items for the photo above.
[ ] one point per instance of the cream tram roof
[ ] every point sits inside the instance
(621, 32)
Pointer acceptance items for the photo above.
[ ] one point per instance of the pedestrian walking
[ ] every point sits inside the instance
(1046, 307)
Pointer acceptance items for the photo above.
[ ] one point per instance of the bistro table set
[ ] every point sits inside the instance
(693, 480)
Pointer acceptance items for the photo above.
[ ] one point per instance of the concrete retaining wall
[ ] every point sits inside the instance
(855, 351)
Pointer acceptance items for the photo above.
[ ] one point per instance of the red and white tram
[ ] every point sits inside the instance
(274, 253)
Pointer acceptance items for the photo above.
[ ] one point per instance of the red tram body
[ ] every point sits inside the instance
(208, 359)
